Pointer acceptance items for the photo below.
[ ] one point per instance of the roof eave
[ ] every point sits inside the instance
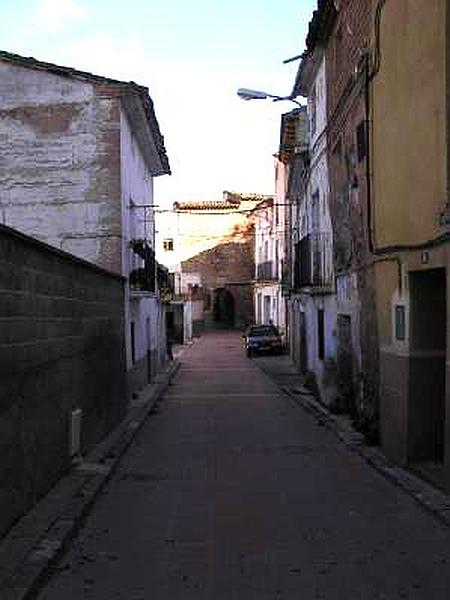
(318, 32)
(138, 107)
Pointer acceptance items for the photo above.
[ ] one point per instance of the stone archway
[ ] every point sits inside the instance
(224, 308)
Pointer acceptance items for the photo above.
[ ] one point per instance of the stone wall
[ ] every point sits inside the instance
(61, 348)
(229, 266)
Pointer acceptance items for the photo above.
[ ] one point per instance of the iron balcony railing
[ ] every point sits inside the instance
(313, 261)
(142, 278)
(266, 271)
(165, 280)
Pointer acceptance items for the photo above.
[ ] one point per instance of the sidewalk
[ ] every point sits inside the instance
(281, 370)
(40, 537)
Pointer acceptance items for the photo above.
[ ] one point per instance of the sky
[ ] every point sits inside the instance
(193, 55)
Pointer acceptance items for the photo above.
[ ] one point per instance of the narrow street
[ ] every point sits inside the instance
(232, 492)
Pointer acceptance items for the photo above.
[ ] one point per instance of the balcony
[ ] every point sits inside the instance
(165, 282)
(142, 280)
(313, 262)
(266, 271)
(143, 277)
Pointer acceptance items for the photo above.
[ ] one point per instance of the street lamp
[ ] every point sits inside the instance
(246, 94)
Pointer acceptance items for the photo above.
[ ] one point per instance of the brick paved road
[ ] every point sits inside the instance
(231, 492)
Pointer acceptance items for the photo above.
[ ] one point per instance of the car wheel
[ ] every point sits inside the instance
(249, 352)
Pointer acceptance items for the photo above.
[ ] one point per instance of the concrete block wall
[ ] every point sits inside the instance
(61, 348)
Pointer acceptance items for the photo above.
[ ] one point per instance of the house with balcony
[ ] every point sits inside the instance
(313, 301)
(79, 157)
(269, 254)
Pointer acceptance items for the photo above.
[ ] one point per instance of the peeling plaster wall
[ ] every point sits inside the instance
(70, 168)
(58, 176)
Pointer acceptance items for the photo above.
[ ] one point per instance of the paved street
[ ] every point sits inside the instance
(232, 492)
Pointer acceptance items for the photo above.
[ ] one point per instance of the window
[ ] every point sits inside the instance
(321, 334)
(168, 244)
(400, 323)
(133, 342)
(361, 145)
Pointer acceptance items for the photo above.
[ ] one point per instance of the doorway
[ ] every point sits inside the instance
(224, 309)
(345, 363)
(149, 350)
(267, 312)
(428, 348)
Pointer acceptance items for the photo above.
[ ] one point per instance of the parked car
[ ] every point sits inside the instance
(262, 338)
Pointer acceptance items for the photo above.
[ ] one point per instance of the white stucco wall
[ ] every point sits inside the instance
(144, 309)
(318, 178)
(136, 194)
(276, 311)
(317, 221)
(319, 184)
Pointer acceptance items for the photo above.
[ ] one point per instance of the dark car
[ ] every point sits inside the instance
(262, 338)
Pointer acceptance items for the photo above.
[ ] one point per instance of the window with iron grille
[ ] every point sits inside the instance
(321, 334)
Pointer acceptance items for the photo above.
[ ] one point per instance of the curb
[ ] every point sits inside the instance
(70, 501)
(431, 499)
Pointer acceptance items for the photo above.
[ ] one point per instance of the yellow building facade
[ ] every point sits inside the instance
(409, 223)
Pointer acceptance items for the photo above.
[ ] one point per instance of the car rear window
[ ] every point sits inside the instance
(262, 331)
